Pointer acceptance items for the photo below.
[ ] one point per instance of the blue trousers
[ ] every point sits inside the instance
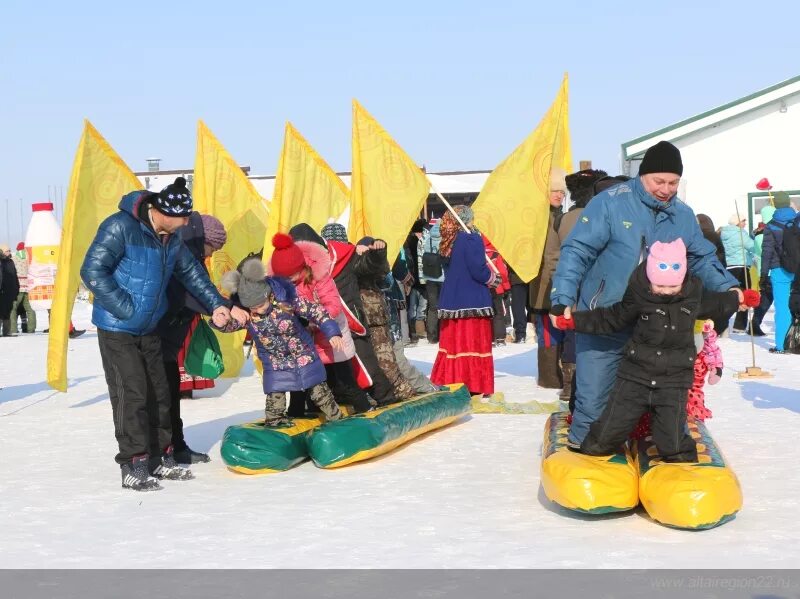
(597, 360)
(781, 285)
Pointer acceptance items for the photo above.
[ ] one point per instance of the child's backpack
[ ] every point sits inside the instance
(789, 250)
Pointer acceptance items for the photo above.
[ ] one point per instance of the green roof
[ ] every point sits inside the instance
(703, 115)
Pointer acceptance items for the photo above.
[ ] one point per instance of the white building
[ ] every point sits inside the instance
(727, 150)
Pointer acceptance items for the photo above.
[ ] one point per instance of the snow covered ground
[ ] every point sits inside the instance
(467, 496)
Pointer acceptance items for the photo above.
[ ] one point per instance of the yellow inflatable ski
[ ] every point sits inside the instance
(691, 496)
(588, 484)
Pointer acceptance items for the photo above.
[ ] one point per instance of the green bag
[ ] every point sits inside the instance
(204, 357)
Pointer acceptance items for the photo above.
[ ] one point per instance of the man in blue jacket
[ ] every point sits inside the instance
(127, 268)
(611, 238)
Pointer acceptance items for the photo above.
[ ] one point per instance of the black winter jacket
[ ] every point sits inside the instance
(661, 351)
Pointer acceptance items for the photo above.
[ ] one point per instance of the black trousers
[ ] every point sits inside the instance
(139, 392)
(499, 318)
(342, 382)
(742, 275)
(764, 306)
(382, 389)
(519, 308)
(432, 290)
(174, 383)
(626, 404)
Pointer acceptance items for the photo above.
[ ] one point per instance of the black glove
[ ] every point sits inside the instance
(765, 284)
(557, 309)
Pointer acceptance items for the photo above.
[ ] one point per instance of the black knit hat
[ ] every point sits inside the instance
(662, 158)
(174, 199)
(581, 185)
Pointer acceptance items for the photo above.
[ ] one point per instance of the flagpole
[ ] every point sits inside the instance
(458, 219)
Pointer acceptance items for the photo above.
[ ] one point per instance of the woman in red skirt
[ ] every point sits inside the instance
(465, 308)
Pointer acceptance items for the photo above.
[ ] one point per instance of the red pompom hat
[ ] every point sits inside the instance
(287, 259)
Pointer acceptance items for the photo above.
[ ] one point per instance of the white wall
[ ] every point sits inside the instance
(723, 163)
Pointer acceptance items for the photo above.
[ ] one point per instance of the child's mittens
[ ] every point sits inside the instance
(752, 298)
(714, 375)
(565, 324)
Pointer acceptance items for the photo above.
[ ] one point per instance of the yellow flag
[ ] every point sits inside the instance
(307, 190)
(223, 190)
(512, 209)
(387, 190)
(99, 180)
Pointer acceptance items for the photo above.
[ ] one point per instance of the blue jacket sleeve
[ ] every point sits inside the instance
(194, 277)
(475, 258)
(579, 251)
(97, 271)
(702, 258)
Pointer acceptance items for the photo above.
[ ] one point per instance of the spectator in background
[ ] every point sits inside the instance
(417, 303)
(766, 291)
(465, 308)
(548, 338)
(772, 273)
(9, 290)
(738, 257)
(432, 275)
(22, 306)
(710, 233)
(582, 188)
(498, 320)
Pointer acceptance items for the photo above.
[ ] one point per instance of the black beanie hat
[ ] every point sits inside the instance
(174, 199)
(662, 158)
(581, 185)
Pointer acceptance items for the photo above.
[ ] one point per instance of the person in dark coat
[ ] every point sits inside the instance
(348, 265)
(581, 187)
(9, 289)
(772, 273)
(202, 236)
(662, 303)
(710, 233)
(127, 268)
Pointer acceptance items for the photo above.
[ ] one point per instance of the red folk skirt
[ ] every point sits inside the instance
(465, 354)
(189, 382)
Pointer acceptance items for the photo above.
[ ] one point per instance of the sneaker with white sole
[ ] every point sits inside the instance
(135, 475)
(169, 469)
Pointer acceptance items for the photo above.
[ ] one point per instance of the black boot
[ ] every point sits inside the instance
(168, 468)
(757, 332)
(187, 455)
(135, 475)
(549, 368)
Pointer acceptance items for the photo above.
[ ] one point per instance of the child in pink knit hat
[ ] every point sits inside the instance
(661, 303)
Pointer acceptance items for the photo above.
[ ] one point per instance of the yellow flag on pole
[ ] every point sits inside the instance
(512, 209)
(307, 190)
(98, 181)
(221, 189)
(388, 189)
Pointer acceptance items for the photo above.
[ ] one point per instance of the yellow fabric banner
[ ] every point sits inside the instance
(307, 190)
(512, 209)
(223, 190)
(98, 181)
(387, 190)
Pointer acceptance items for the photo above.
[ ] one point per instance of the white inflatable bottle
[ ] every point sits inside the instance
(41, 242)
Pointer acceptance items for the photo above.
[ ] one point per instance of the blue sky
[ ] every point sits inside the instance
(458, 84)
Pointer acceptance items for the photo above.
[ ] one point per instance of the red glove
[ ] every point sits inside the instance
(565, 324)
(752, 298)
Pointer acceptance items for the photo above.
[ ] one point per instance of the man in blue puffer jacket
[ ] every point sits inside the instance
(127, 268)
(611, 238)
